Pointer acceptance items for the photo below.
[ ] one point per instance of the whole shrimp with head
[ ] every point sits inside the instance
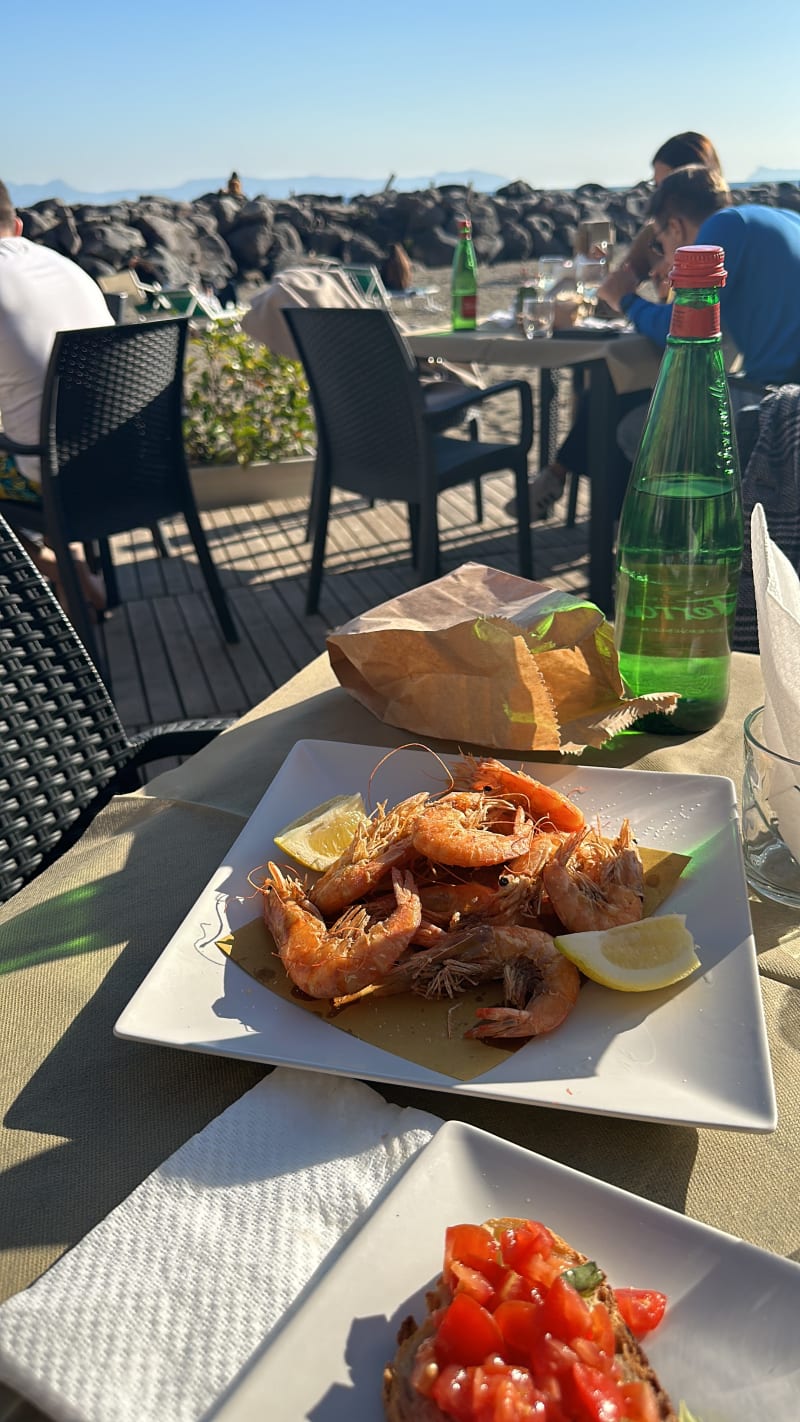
(349, 955)
(546, 806)
(471, 830)
(384, 843)
(541, 985)
(604, 889)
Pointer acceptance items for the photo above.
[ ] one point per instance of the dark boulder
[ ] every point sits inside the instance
(250, 244)
(63, 237)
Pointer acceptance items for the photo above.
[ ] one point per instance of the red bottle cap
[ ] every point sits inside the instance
(464, 224)
(699, 266)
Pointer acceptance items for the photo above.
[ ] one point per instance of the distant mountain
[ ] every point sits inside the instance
(775, 175)
(26, 194)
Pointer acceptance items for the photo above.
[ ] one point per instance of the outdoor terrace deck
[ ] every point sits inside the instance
(166, 654)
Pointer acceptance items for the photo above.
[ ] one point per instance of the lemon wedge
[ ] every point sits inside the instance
(635, 957)
(319, 836)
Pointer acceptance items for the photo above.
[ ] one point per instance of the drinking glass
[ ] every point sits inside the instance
(538, 313)
(550, 271)
(770, 816)
(590, 273)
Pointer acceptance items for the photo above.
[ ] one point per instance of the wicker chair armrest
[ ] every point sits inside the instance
(523, 389)
(176, 738)
(12, 446)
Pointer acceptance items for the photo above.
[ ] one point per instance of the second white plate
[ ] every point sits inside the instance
(727, 1345)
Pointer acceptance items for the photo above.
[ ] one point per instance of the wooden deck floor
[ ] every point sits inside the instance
(166, 654)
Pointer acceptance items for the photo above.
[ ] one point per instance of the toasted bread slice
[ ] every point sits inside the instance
(404, 1402)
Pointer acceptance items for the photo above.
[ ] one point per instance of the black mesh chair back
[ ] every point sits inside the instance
(375, 438)
(113, 402)
(111, 449)
(367, 399)
(63, 749)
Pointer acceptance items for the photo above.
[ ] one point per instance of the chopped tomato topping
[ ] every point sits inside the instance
(640, 1402)
(566, 1314)
(520, 1342)
(603, 1329)
(475, 1246)
(467, 1333)
(642, 1309)
(521, 1326)
(598, 1394)
(471, 1281)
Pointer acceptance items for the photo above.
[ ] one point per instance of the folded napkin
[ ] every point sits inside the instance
(155, 1312)
(777, 593)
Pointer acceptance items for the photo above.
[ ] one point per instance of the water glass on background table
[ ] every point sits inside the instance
(770, 817)
(552, 272)
(538, 313)
(590, 273)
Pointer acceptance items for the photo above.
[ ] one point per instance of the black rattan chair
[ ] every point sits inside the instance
(111, 452)
(373, 437)
(63, 749)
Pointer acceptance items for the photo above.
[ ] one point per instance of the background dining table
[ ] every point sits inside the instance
(86, 1116)
(618, 362)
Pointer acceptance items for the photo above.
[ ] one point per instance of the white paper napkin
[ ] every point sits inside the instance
(155, 1312)
(777, 592)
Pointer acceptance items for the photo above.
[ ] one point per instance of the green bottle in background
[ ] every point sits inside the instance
(464, 282)
(679, 549)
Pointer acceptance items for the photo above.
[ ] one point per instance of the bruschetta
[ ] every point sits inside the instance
(521, 1327)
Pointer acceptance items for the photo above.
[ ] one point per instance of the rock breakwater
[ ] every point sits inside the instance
(219, 239)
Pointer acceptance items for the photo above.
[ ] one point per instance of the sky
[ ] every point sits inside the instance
(555, 93)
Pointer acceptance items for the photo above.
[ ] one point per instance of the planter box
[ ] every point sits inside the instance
(223, 486)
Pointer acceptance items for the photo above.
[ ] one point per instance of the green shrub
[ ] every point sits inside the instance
(242, 403)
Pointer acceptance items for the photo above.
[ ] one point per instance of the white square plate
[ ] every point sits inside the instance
(696, 1053)
(727, 1345)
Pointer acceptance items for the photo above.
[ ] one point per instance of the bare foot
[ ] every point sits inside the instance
(91, 584)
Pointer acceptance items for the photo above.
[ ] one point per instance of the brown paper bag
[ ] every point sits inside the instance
(485, 658)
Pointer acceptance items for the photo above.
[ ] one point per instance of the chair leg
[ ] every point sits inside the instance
(311, 519)
(474, 434)
(572, 503)
(523, 519)
(321, 513)
(77, 610)
(162, 547)
(413, 531)
(428, 560)
(212, 579)
(109, 573)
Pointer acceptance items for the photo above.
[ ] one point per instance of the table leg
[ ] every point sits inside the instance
(602, 439)
(548, 414)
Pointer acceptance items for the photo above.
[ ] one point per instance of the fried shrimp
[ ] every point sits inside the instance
(384, 843)
(350, 954)
(459, 830)
(598, 899)
(541, 802)
(541, 987)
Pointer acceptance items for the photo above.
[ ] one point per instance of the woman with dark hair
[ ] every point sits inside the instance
(680, 151)
(548, 485)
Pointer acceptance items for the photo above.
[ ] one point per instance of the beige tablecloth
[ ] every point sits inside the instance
(86, 1116)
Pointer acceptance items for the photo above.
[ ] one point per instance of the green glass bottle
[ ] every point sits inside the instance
(679, 550)
(464, 281)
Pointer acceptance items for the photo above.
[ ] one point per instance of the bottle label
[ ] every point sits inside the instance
(469, 307)
(694, 322)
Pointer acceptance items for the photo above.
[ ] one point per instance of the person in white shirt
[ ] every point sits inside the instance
(41, 293)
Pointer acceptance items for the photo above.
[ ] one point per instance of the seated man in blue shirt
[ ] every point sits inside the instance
(760, 302)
